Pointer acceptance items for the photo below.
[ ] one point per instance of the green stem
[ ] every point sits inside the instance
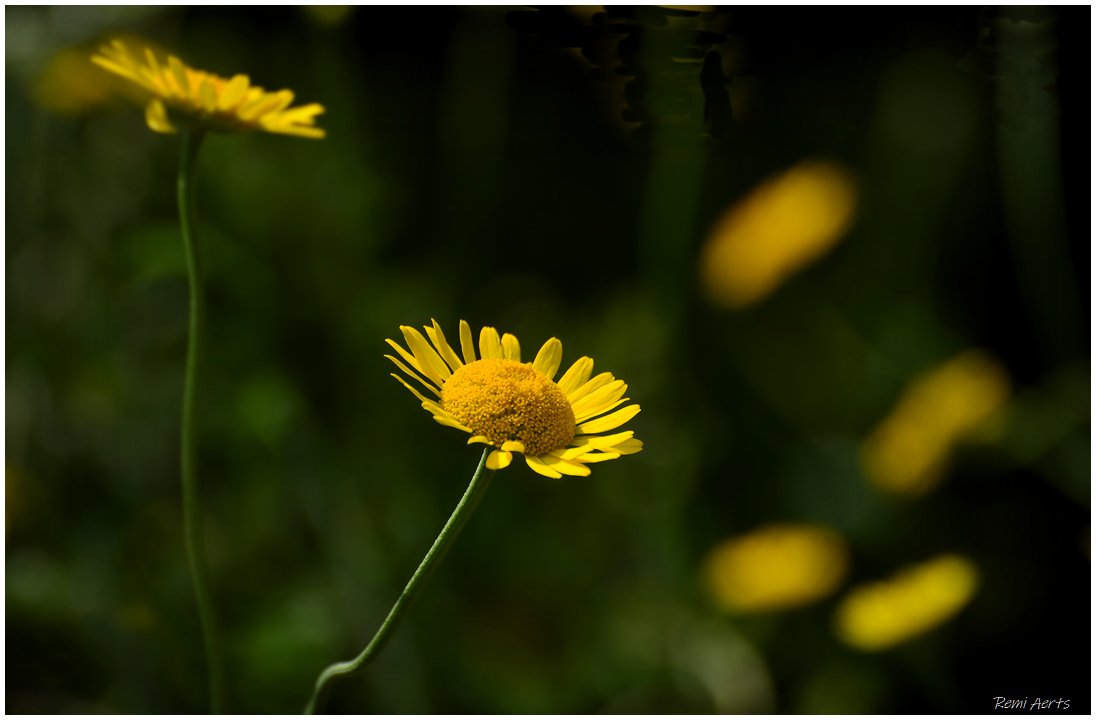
(191, 142)
(476, 489)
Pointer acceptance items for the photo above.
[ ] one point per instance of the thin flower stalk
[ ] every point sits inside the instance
(190, 144)
(481, 479)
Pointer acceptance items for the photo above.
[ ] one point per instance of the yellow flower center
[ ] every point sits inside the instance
(509, 400)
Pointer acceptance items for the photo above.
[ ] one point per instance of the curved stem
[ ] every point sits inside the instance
(191, 142)
(476, 488)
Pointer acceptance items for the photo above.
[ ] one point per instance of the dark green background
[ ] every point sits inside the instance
(475, 169)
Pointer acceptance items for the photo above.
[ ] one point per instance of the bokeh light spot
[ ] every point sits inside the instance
(879, 615)
(784, 225)
(775, 567)
(909, 450)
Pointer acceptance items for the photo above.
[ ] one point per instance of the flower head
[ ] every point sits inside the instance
(515, 406)
(179, 95)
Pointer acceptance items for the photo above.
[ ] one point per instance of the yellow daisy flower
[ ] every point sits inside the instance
(183, 96)
(518, 407)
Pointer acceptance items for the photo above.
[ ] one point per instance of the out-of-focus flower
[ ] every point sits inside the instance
(783, 225)
(775, 567)
(908, 451)
(182, 96)
(327, 15)
(880, 615)
(517, 407)
(70, 84)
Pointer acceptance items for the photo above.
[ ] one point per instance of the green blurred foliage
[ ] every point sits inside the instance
(548, 172)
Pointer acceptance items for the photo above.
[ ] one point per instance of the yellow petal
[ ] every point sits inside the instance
(609, 422)
(434, 409)
(513, 446)
(313, 133)
(489, 344)
(594, 383)
(411, 373)
(408, 357)
(568, 467)
(547, 360)
(603, 397)
(599, 410)
(498, 459)
(178, 76)
(628, 447)
(207, 95)
(599, 457)
(431, 364)
(466, 346)
(254, 93)
(438, 338)
(155, 84)
(156, 118)
(305, 114)
(511, 349)
(450, 422)
(597, 442)
(266, 104)
(234, 92)
(569, 453)
(152, 62)
(538, 465)
(576, 375)
(478, 439)
(119, 69)
(414, 392)
(285, 99)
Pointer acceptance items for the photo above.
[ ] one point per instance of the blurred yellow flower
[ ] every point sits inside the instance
(327, 15)
(517, 407)
(783, 225)
(908, 451)
(880, 615)
(179, 95)
(69, 84)
(775, 567)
